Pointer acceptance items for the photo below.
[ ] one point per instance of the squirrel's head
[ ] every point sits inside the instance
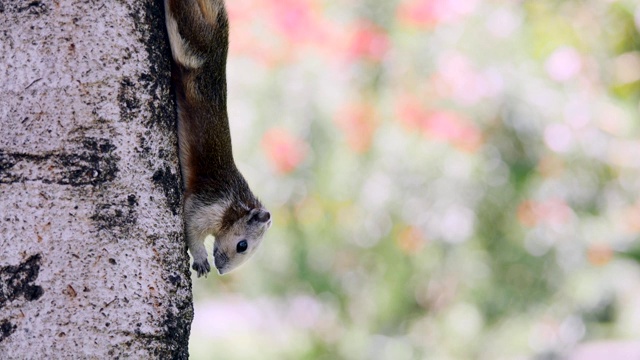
(239, 237)
(238, 227)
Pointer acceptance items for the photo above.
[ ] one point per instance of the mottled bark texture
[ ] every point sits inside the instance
(92, 260)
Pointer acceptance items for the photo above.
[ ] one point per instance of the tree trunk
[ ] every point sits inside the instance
(93, 262)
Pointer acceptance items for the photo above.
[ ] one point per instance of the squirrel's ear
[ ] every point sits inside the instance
(260, 215)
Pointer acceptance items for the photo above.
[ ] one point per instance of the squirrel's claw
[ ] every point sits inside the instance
(202, 268)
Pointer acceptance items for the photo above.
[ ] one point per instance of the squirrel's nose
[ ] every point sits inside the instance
(220, 259)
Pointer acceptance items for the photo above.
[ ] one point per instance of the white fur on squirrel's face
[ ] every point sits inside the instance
(236, 244)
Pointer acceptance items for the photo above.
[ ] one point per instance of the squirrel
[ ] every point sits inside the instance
(218, 200)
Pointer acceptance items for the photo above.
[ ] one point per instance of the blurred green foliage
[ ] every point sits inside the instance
(448, 179)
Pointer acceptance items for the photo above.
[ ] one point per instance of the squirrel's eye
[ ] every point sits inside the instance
(242, 246)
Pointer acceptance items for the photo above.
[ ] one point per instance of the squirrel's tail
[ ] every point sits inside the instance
(199, 37)
(198, 31)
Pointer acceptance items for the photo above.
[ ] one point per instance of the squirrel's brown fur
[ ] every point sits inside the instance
(218, 200)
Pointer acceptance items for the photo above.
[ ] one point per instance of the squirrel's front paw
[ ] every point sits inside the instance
(202, 267)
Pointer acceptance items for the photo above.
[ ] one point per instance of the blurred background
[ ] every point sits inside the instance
(449, 179)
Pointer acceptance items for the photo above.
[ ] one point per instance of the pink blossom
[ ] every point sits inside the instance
(419, 13)
(274, 31)
(411, 240)
(410, 112)
(439, 124)
(368, 42)
(457, 78)
(563, 64)
(298, 20)
(551, 212)
(357, 121)
(284, 150)
(242, 41)
(428, 13)
(449, 126)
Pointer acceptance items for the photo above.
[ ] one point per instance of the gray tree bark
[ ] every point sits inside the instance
(93, 262)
